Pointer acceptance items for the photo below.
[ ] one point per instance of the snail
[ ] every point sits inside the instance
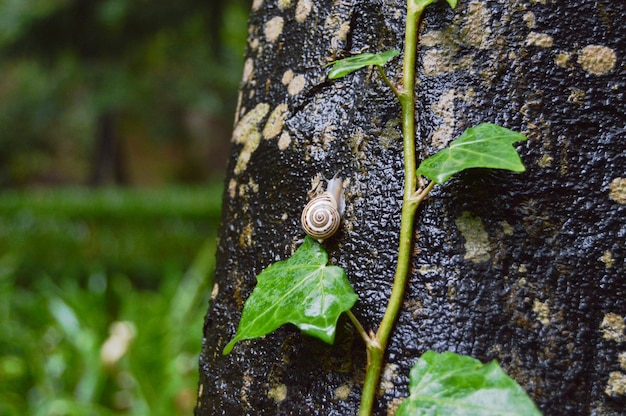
(322, 215)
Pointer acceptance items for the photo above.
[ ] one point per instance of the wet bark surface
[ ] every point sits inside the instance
(524, 268)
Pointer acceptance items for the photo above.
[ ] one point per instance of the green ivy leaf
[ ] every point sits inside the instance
(452, 384)
(301, 290)
(345, 66)
(484, 146)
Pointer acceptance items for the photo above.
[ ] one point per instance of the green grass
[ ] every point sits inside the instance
(93, 340)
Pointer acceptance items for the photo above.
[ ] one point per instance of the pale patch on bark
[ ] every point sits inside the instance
(529, 19)
(245, 389)
(613, 327)
(296, 85)
(562, 59)
(303, 8)
(278, 393)
(607, 259)
(506, 228)
(441, 61)
(246, 188)
(250, 123)
(284, 141)
(576, 96)
(545, 161)
(597, 59)
(390, 373)
(247, 133)
(275, 122)
(445, 110)
(250, 145)
(254, 44)
(342, 392)
(432, 38)
(245, 238)
(248, 69)
(617, 190)
(284, 4)
(476, 30)
(391, 136)
(543, 312)
(476, 239)
(287, 77)
(616, 386)
(232, 188)
(256, 5)
(541, 40)
(273, 28)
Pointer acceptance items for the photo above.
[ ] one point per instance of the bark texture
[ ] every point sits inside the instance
(525, 268)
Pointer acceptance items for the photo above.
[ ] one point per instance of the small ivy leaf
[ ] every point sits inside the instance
(301, 290)
(452, 384)
(345, 66)
(483, 146)
(452, 3)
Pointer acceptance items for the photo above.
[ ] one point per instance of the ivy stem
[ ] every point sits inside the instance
(411, 200)
(382, 74)
(359, 328)
(421, 194)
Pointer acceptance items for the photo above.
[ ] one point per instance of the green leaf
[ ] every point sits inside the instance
(452, 384)
(484, 146)
(343, 67)
(452, 3)
(301, 290)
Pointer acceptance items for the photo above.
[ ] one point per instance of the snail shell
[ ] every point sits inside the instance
(322, 215)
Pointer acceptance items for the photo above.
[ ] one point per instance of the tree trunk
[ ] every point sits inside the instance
(108, 161)
(524, 268)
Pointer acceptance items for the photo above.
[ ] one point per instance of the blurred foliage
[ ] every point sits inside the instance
(97, 313)
(169, 70)
(103, 349)
(78, 231)
(98, 341)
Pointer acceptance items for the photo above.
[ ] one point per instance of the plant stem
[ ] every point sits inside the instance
(359, 327)
(382, 74)
(378, 344)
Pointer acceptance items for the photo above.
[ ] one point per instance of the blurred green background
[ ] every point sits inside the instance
(115, 119)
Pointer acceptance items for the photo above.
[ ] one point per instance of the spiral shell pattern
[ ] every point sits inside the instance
(321, 218)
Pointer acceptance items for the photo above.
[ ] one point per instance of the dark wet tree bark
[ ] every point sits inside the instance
(525, 268)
